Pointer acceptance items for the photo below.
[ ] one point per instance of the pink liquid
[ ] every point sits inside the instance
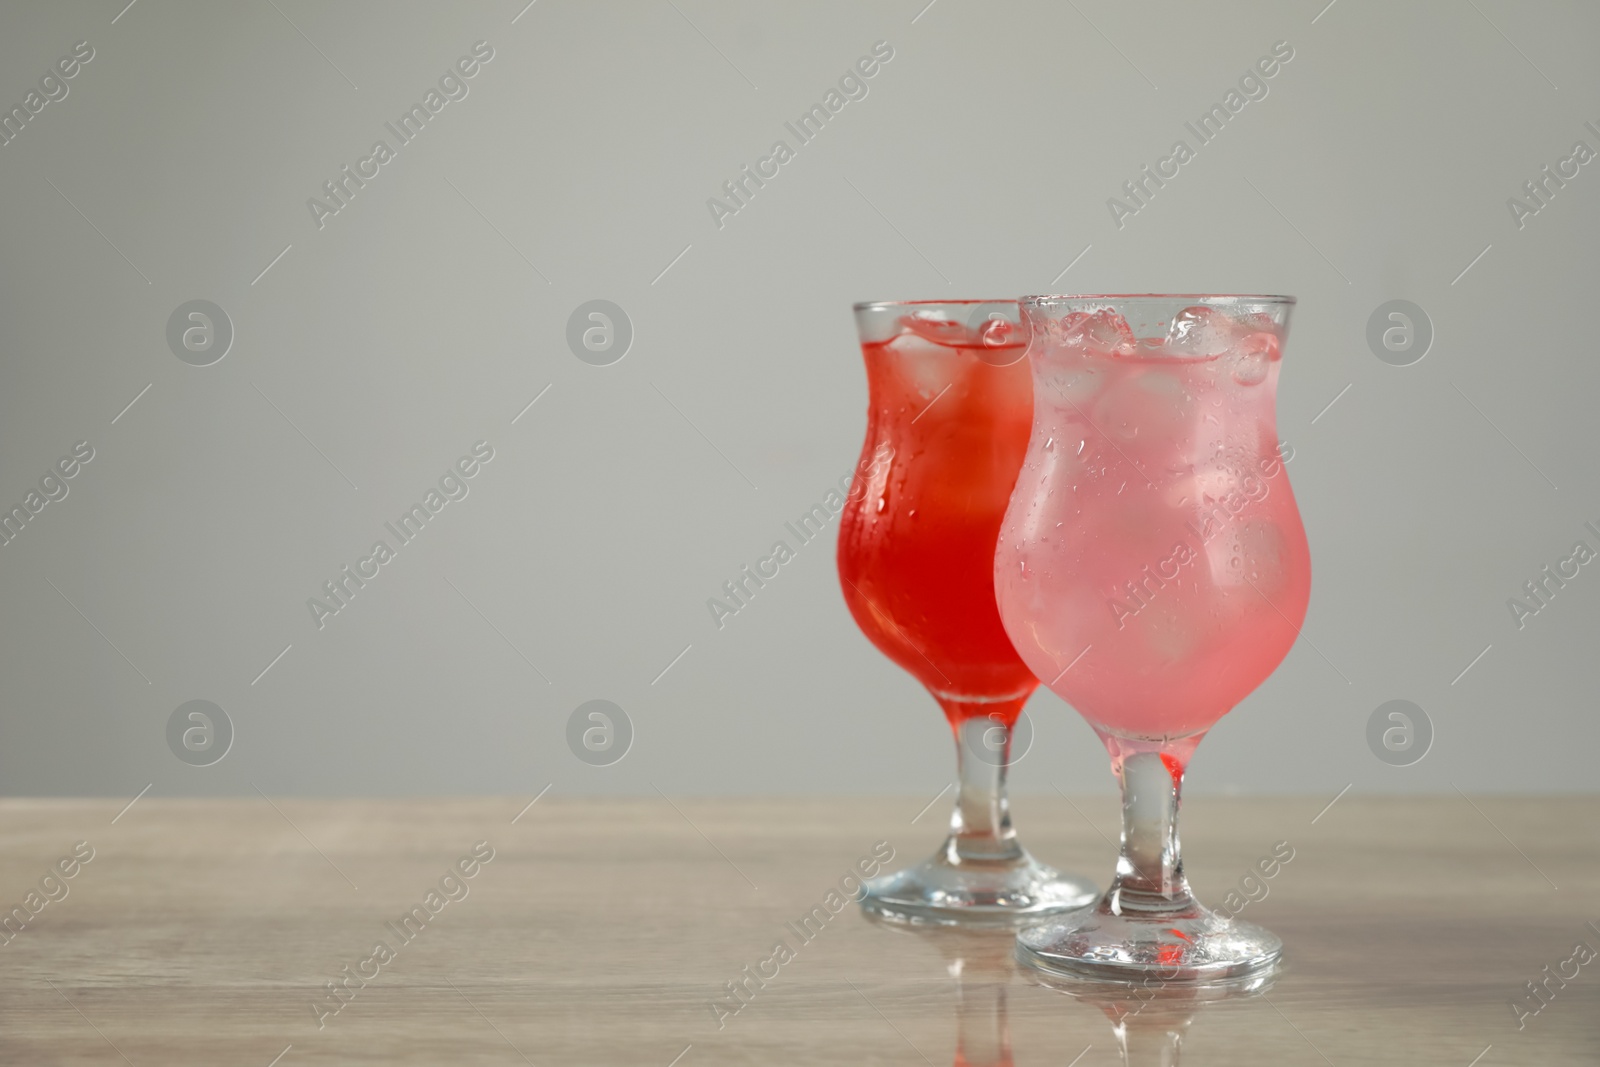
(1153, 526)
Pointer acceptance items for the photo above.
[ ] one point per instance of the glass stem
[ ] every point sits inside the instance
(980, 826)
(1149, 880)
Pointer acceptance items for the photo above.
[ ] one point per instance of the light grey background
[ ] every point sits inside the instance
(427, 314)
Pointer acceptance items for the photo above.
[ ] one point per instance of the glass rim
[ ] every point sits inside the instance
(1048, 299)
(872, 305)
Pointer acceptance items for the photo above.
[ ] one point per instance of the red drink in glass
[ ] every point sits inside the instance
(948, 425)
(916, 549)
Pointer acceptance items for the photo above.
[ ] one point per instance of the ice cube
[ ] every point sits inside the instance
(926, 366)
(1152, 405)
(1251, 358)
(1102, 332)
(931, 325)
(1075, 386)
(1203, 331)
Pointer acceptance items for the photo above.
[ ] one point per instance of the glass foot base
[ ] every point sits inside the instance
(1198, 945)
(975, 893)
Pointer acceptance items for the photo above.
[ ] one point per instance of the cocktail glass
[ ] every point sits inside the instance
(947, 426)
(1152, 566)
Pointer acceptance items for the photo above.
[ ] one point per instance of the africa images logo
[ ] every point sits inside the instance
(852, 85)
(341, 189)
(453, 485)
(1252, 85)
(850, 488)
(53, 88)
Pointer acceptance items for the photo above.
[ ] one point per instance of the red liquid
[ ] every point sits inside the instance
(946, 433)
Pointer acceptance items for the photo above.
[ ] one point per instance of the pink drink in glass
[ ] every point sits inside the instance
(1157, 527)
(1152, 570)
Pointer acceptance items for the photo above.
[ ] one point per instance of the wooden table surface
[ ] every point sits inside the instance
(605, 931)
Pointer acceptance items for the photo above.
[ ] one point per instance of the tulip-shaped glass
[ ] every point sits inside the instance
(950, 406)
(1152, 568)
